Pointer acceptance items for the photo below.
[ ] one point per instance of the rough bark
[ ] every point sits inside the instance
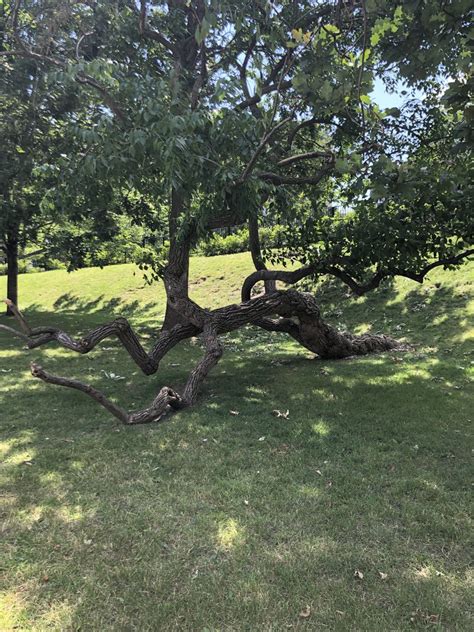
(256, 252)
(177, 271)
(301, 319)
(165, 399)
(297, 314)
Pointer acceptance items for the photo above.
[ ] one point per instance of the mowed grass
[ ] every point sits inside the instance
(211, 521)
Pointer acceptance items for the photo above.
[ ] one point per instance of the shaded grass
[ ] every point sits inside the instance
(211, 521)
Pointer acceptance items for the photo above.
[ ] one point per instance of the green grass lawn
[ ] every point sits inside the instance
(212, 521)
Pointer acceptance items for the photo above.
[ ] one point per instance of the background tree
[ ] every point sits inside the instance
(229, 112)
(32, 128)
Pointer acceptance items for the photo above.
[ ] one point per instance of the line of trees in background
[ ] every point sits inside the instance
(129, 245)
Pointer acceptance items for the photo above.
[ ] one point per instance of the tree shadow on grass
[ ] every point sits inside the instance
(245, 519)
(216, 519)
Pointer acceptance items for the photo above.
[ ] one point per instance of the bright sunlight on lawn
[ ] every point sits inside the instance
(350, 514)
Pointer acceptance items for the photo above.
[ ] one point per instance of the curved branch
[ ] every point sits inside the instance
(212, 355)
(285, 276)
(358, 288)
(295, 130)
(263, 143)
(151, 33)
(278, 179)
(165, 399)
(120, 327)
(284, 85)
(327, 155)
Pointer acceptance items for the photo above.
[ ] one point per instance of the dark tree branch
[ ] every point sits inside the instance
(256, 250)
(200, 79)
(284, 85)
(152, 33)
(212, 355)
(120, 328)
(278, 179)
(306, 156)
(243, 76)
(263, 143)
(297, 128)
(359, 289)
(165, 399)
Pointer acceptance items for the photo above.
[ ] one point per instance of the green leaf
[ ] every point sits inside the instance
(332, 28)
(326, 91)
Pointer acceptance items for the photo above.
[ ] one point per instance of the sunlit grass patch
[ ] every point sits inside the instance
(229, 534)
(215, 521)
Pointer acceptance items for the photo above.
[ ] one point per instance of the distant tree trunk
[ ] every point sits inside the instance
(11, 249)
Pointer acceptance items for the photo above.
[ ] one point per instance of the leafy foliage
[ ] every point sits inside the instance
(264, 109)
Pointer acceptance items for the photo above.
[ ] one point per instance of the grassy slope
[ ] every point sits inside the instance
(219, 522)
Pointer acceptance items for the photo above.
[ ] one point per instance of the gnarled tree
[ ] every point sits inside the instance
(240, 111)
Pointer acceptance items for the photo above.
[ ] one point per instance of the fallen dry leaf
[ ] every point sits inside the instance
(279, 413)
(306, 613)
(424, 617)
(358, 574)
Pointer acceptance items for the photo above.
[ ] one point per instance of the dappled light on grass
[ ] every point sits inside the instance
(370, 471)
(307, 490)
(229, 534)
(23, 457)
(321, 428)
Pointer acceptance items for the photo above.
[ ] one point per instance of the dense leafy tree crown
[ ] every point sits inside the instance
(263, 108)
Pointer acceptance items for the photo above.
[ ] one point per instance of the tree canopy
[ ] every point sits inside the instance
(210, 113)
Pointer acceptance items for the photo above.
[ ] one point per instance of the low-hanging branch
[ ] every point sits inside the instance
(278, 179)
(297, 315)
(285, 162)
(358, 288)
(166, 398)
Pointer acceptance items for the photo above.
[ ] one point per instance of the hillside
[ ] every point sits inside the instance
(216, 521)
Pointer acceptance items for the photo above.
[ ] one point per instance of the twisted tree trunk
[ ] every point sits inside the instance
(176, 276)
(297, 314)
(256, 252)
(286, 311)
